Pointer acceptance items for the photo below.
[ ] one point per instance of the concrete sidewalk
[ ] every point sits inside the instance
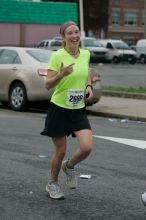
(117, 107)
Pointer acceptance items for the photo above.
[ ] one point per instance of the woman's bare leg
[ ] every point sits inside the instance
(84, 138)
(59, 153)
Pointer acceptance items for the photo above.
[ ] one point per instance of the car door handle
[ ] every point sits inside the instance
(14, 68)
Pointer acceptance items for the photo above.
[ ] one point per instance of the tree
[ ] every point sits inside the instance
(96, 16)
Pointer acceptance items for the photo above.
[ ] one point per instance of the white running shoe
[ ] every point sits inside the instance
(71, 178)
(54, 190)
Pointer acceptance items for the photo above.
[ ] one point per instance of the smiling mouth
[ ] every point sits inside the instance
(74, 41)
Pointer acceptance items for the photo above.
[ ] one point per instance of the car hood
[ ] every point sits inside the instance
(97, 49)
(125, 51)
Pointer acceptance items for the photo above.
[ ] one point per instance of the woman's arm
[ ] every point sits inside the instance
(89, 79)
(89, 88)
(52, 79)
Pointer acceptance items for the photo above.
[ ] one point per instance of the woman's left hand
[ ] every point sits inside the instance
(88, 93)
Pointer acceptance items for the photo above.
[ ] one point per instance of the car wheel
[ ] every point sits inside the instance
(18, 97)
(132, 61)
(116, 60)
(142, 59)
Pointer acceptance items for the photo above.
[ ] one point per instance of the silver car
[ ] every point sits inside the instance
(51, 44)
(98, 53)
(22, 77)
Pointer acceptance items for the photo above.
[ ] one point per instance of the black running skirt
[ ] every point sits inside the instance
(61, 122)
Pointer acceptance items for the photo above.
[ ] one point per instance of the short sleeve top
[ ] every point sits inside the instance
(70, 91)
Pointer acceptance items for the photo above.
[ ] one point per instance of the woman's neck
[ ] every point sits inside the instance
(72, 51)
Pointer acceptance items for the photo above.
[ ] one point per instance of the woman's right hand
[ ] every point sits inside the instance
(64, 71)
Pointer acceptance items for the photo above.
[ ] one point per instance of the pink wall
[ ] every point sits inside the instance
(30, 35)
(9, 34)
(35, 33)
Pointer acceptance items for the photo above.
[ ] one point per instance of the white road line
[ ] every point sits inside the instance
(131, 142)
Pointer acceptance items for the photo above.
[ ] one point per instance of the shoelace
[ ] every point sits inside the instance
(55, 187)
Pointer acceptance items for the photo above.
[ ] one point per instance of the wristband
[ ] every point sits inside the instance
(89, 85)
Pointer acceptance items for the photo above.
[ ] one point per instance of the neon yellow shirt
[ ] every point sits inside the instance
(69, 92)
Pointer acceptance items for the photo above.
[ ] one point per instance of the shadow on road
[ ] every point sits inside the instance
(34, 107)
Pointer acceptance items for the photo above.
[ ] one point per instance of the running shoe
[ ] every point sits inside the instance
(71, 178)
(54, 190)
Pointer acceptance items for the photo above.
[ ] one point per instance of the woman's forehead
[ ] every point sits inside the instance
(72, 28)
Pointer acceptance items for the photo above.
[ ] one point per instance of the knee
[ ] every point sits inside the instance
(86, 149)
(61, 152)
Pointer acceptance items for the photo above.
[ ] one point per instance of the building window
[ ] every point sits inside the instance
(115, 17)
(130, 18)
(143, 19)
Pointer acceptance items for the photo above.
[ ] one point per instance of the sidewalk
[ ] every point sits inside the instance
(117, 107)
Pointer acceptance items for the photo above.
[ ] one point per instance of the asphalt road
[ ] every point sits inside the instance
(117, 172)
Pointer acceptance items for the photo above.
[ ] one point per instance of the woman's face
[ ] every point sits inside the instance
(72, 36)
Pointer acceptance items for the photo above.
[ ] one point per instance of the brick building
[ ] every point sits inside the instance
(127, 20)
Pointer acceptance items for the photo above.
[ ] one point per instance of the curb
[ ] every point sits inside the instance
(125, 95)
(114, 115)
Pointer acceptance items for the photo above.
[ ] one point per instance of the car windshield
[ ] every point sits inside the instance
(40, 55)
(121, 45)
(91, 43)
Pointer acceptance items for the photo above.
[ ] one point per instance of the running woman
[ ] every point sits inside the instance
(68, 72)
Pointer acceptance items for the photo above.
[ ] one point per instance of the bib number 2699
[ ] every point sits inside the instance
(74, 98)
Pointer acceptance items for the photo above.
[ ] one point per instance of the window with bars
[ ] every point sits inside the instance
(130, 18)
(115, 17)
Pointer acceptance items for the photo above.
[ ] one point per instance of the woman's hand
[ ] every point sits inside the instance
(64, 71)
(88, 93)
(53, 78)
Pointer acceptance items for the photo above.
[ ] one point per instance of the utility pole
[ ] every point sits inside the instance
(81, 21)
(145, 19)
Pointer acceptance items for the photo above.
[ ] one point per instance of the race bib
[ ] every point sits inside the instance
(75, 97)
